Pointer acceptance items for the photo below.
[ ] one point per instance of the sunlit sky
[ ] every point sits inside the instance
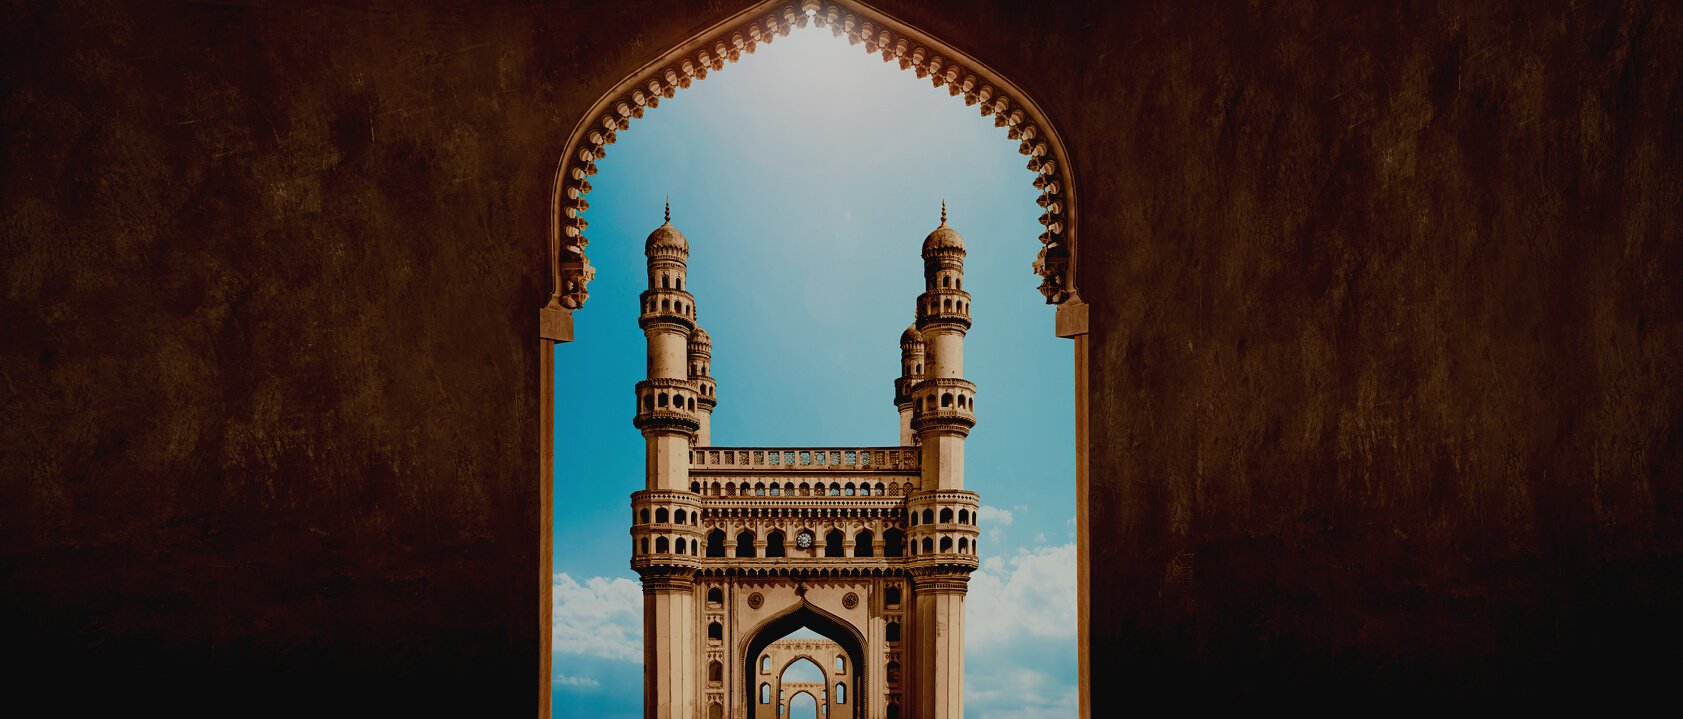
(805, 178)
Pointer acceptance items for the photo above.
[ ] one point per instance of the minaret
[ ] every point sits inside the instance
(665, 550)
(911, 372)
(942, 415)
(701, 369)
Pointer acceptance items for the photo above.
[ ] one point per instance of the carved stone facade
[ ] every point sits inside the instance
(870, 547)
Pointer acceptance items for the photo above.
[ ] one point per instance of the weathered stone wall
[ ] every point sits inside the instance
(1386, 339)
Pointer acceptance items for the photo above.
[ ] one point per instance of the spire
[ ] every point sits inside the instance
(669, 210)
(943, 212)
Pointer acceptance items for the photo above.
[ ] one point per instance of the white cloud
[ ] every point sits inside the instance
(563, 680)
(993, 521)
(1029, 595)
(603, 617)
(1018, 693)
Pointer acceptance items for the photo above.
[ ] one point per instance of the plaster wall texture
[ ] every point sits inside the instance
(1385, 332)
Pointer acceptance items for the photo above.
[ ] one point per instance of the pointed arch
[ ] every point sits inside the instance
(880, 33)
(804, 614)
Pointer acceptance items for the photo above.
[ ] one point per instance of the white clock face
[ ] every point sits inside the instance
(804, 540)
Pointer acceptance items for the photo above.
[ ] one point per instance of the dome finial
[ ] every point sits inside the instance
(668, 209)
(943, 212)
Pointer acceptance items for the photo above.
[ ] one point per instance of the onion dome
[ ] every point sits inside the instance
(943, 238)
(700, 341)
(666, 238)
(911, 338)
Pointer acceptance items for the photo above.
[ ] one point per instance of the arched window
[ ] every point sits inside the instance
(893, 673)
(963, 545)
(848, 489)
(765, 693)
(665, 282)
(946, 282)
(946, 544)
(928, 516)
(662, 400)
(835, 489)
(928, 545)
(774, 544)
(661, 545)
(841, 693)
(947, 399)
(716, 543)
(914, 519)
(715, 673)
(715, 631)
(645, 545)
(893, 543)
(680, 283)
(765, 664)
(891, 596)
(963, 516)
(893, 632)
(862, 543)
(648, 401)
(660, 515)
(682, 547)
(695, 487)
(717, 711)
(644, 515)
(946, 515)
(692, 404)
(841, 663)
(744, 545)
(715, 595)
(834, 544)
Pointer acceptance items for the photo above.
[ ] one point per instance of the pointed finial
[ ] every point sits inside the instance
(668, 209)
(943, 212)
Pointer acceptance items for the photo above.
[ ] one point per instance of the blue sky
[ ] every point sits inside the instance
(805, 178)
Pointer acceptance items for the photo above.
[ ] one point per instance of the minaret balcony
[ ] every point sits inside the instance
(943, 307)
(944, 401)
(667, 404)
(667, 306)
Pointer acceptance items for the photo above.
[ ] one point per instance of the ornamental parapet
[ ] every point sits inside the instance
(814, 459)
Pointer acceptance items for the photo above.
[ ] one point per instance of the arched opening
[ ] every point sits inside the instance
(715, 632)
(862, 543)
(715, 596)
(716, 543)
(893, 543)
(661, 545)
(946, 515)
(660, 515)
(835, 544)
(774, 543)
(803, 706)
(565, 178)
(745, 544)
(891, 596)
(809, 617)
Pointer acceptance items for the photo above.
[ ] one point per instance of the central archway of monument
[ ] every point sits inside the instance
(764, 695)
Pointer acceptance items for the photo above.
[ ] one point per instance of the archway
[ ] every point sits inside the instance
(803, 615)
(708, 51)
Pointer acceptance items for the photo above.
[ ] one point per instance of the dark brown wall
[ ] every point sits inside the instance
(1386, 369)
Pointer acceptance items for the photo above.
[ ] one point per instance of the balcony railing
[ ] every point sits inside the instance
(858, 459)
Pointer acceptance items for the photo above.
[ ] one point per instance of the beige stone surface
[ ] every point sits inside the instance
(871, 547)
